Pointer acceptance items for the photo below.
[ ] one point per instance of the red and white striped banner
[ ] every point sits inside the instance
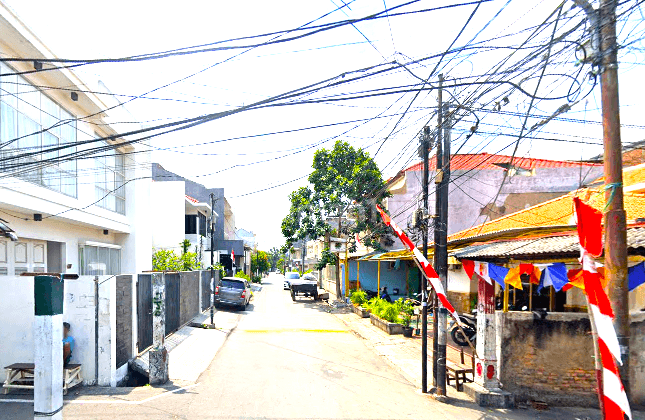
(428, 270)
(590, 235)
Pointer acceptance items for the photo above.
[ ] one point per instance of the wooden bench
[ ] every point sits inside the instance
(21, 376)
(457, 371)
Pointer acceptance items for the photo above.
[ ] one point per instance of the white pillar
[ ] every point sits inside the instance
(486, 364)
(48, 348)
(158, 356)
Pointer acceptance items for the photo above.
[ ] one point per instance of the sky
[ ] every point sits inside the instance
(250, 151)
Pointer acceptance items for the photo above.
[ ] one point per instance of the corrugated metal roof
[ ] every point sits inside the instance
(488, 161)
(564, 245)
(555, 212)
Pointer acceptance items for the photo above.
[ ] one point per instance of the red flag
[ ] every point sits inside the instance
(233, 256)
(589, 227)
(469, 267)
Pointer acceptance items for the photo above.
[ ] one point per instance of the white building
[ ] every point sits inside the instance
(89, 207)
(77, 203)
(179, 217)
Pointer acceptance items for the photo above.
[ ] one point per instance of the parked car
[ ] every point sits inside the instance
(233, 291)
(288, 277)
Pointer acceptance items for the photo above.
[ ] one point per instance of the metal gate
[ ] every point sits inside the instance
(172, 302)
(144, 312)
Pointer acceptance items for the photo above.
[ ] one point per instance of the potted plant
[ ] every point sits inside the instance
(407, 310)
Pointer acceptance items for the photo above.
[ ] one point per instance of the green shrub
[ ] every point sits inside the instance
(242, 275)
(358, 297)
(390, 312)
(166, 260)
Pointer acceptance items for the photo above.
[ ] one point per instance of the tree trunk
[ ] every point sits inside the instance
(338, 291)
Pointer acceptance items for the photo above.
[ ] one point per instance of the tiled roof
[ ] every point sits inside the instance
(488, 161)
(555, 212)
(561, 245)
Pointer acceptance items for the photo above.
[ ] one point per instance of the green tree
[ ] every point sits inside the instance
(260, 261)
(345, 182)
(274, 255)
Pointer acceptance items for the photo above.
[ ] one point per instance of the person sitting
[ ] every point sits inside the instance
(68, 344)
(385, 295)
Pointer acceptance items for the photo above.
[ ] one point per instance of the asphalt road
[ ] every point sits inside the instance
(283, 360)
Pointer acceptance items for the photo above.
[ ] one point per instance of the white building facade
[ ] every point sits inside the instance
(74, 209)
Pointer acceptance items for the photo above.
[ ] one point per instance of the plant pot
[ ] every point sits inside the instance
(389, 327)
(360, 311)
(407, 332)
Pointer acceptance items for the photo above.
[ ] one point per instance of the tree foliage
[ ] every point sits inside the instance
(168, 260)
(345, 182)
(260, 261)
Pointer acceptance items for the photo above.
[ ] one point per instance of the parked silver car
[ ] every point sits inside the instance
(233, 291)
(288, 277)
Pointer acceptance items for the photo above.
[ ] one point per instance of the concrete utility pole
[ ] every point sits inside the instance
(425, 146)
(212, 259)
(441, 250)
(158, 356)
(615, 219)
(437, 238)
(48, 347)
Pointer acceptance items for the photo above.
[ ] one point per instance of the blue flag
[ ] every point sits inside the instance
(557, 275)
(636, 276)
(497, 273)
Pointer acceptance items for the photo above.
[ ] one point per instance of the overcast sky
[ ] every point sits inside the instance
(216, 81)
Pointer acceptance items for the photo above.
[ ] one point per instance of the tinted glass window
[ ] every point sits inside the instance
(293, 275)
(233, 284)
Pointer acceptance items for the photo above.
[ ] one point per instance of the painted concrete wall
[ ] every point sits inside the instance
(17, 317)
(480, 187)
(390, 277)
(168, 200)
(551, 359)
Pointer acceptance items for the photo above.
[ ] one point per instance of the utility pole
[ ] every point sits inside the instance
(615, 219)
(603, 24)
(425, 150)
(212, 259)
(437, 229)
(441, 251)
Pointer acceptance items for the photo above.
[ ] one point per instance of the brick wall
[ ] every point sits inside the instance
(547, 359)
(123, 320)
(461, 301)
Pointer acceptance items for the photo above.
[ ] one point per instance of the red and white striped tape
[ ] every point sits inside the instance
(614, 395)
(428, 270)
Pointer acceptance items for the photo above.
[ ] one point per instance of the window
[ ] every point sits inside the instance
(202, 224)
(24, 111)
(26, 255)
(191, 224)
(110, 180)
(97, 260)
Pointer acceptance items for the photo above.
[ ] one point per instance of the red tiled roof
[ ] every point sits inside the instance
(487, 161)
(191, 199)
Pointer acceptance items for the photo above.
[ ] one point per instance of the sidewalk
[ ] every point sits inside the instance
(191, 349)
(405, 355)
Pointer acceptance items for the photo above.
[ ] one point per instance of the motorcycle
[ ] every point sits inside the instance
(469, 327)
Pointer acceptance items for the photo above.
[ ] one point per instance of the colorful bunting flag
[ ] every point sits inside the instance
(514, 277)
(554, 275)
(590, 235)
(486, 271)
(497, 273)
(636, 275)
